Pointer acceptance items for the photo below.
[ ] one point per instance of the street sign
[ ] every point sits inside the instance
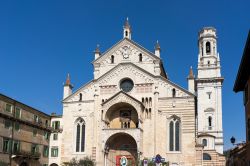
(123, 161)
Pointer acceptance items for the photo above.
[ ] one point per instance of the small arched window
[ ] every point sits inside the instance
(80, 135)
(209, 122)
(206, 156)
(208, 47)
(112, 59)
(173, 92)
(149, 113)
(174, 134)
(208, 63)
(140, 57)
(142, 100)
(80, 97)
(204, 142)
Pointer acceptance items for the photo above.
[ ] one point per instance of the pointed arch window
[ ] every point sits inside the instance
(174, 134)
(208, 47)
(80, 135)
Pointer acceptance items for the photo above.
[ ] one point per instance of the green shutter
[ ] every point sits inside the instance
(17, 126)
(7, 124)
(8, 107)
(53, 125)
(18, 113)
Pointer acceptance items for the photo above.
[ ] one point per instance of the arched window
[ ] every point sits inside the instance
(174, 135)
(208, 63)
(208, 47)
(149, 113)
(204, 142)
(150, 102)
(146, 115)
(146, 102)
(201, 51)
(126, 33)
(80, 135)
(80, 97)
(209, 122)
(173, 92)
(142, 100)
(140, 57)
(112, 59)
(206, 156)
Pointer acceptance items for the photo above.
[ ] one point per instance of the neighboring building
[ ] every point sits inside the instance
(242, 83)
(131, 108)
(24, 134)
(55, 140)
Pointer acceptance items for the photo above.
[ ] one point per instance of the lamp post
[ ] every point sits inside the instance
(233, 140)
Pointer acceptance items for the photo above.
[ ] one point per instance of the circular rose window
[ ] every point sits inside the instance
(126, 85)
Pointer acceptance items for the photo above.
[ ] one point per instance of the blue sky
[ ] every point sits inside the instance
(42, 41)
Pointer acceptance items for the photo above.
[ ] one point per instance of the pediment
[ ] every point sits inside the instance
(125, 50)
(122, 97)
(125, 70)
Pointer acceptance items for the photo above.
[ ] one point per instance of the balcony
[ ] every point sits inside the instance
(27, 154)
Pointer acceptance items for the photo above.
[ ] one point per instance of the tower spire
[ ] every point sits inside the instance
(191, 73)
(67, 89)
(67, 83)
(97, 51)
(127, 29)
(157, 49)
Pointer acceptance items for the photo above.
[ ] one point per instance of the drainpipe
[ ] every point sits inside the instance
(12, 133)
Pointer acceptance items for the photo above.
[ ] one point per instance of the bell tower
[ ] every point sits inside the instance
(127, 30)
(209, 91)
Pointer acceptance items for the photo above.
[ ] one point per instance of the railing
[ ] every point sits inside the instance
(35, 155)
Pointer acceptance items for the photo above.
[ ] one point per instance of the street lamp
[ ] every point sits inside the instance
(232, 140)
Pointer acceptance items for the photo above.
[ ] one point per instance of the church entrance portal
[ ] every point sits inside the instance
(118, 146)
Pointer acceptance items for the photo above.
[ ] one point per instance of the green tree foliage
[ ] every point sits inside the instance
(86, 161)
(3, 163)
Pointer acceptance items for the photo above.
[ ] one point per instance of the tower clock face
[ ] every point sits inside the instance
(126, 85)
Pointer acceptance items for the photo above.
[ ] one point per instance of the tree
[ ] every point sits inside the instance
(86, 161)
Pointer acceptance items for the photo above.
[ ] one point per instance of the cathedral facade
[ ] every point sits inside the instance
(132, 110)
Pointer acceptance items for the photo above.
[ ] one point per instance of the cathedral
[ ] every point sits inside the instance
(131, 109)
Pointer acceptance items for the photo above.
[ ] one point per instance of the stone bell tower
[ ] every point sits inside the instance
(209, 91)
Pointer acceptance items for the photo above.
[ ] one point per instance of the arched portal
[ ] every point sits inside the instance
(118, 146)
(54, 164)
(122, 115)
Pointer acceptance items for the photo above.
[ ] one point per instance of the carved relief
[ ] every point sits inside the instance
(126, 69)
(108, 89)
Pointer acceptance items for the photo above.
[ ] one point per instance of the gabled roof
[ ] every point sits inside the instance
(244, 69)
(129, 63)
(132, 42)
(122, 92)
